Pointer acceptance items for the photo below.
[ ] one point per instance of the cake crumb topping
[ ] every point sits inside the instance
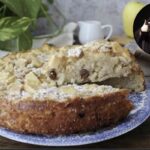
(62, 93)
(76, 52)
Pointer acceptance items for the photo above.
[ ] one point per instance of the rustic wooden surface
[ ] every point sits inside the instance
(137, 138)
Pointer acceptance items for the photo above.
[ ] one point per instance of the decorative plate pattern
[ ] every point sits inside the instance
(137, 116)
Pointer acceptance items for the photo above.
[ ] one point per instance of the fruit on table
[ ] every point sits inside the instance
(129, 13)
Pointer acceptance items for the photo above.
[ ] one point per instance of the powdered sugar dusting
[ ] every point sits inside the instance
(43, 57)
(37, 71)
(62, 93)
(103, 46)
(76, 52)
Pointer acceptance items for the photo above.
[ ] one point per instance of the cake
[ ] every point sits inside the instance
(67, 90)
(64, 110)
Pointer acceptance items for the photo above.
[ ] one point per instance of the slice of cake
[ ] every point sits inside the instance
(57, 90)
(63, 110)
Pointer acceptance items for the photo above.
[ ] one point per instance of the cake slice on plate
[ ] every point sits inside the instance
(54, 90)
(64, 110)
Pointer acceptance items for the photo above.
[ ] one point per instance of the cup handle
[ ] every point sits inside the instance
(110, 30)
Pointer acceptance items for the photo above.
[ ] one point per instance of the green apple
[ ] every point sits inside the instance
(129, 13)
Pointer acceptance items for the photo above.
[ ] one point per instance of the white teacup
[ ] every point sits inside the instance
(92, 30)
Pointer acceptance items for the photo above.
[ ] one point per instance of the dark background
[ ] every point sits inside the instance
(142, 38)
(141, 16)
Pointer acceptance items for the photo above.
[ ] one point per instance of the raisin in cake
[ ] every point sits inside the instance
(44, 86)
(97, 62)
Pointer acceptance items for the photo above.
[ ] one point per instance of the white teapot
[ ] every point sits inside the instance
(92, 30)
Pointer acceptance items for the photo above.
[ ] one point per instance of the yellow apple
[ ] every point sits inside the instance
(129, 13)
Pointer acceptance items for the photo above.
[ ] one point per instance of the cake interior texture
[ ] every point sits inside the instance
(97, 62)
(67, 90)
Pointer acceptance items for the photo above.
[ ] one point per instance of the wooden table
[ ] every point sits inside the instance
(137, 138)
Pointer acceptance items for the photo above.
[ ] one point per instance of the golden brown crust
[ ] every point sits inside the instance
(72, 116)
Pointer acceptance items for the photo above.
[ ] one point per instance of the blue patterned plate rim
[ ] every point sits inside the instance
(137, 116)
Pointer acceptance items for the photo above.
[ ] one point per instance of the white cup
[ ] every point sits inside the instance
(92, 30)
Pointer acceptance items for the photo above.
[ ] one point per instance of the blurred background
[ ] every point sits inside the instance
(106, 11)
(34, 22)
(27, 24)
